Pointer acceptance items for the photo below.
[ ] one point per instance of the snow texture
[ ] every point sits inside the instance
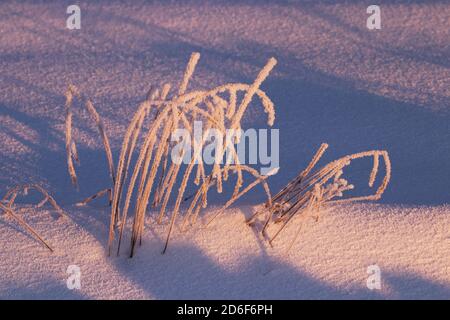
(335, 82)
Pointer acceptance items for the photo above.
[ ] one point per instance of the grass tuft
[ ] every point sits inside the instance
(135, 184)
(308, 193)
(8, 202)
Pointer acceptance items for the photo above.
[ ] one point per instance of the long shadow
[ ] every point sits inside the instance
(52, 290)
(308, 114)
(185, 272)
(411, 286)
(321, 108)
(353, 121)
(426, 53)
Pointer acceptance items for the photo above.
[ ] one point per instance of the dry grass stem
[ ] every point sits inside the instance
(8, 202)
(178, 110)
(308, 193)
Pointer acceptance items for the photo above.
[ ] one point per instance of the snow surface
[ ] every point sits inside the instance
(228, 260)
(335, 82)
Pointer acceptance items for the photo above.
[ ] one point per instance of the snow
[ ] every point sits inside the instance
(335, 82)
(228, 260)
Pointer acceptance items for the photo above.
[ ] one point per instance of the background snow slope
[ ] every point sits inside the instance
(335, 82)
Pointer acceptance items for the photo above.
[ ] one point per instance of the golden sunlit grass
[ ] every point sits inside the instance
(7, 205)
(309, 193)
(135, 183)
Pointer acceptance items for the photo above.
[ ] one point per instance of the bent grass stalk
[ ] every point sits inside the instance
(72, 92)
(8, 208)
(307, 193)
(208, 106)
